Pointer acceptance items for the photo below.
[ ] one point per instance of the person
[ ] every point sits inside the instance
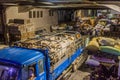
(114, 70)
(31, 73)
(32, 77)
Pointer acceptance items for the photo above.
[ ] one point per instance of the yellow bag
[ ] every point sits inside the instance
(93, 46)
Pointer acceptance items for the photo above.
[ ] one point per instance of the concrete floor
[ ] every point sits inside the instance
(81, 74)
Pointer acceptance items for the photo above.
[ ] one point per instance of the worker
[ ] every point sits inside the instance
(31, 73)
(32, 77)
(114, 70)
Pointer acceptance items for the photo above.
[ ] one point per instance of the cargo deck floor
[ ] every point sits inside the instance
(81, 74)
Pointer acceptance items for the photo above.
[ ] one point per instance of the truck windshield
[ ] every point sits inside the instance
(8, 72)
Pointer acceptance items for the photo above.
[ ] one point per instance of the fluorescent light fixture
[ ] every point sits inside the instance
(49, 3)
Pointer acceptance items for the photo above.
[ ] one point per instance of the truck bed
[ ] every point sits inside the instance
(66, 63)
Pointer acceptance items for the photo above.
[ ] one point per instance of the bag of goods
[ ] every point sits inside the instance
(93, 45)
(94, 39)
(78, 36)
(117, 47)
(92, 62)
(62, 26)
(106, 41)
(110, 50)
(54, 27)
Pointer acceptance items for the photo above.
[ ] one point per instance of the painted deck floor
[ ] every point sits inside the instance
(81, 74)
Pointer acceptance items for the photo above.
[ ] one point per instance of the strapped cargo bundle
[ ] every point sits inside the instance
(20, 29)
(60, 46)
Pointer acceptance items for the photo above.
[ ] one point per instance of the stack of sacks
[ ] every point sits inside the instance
(109, 45)
(21, 29)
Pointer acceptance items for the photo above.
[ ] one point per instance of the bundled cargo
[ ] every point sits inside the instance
(16, 28)
(60, 45)
(20, 30)
(96, 42)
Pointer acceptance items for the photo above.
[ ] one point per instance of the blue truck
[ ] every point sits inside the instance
(20, 63)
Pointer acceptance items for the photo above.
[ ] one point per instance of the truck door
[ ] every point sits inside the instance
(41, 75)
(35, 71)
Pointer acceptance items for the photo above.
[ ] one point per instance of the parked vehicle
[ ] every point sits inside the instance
(43, 62)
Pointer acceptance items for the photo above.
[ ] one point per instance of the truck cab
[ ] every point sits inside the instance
(22, 64)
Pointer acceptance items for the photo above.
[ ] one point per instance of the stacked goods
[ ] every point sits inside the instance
(60, 45)
(20, 30)
(108, 51)
(107, 59)
(103, 44)
(16, 28)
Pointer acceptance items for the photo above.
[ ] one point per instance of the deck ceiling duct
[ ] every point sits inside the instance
(114, 7)
(59, 3)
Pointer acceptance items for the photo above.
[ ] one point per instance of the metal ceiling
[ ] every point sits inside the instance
(61, 3)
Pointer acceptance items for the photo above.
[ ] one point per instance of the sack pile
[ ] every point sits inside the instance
(104, 44)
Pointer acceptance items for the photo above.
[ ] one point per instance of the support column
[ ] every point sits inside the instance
(3, 23)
